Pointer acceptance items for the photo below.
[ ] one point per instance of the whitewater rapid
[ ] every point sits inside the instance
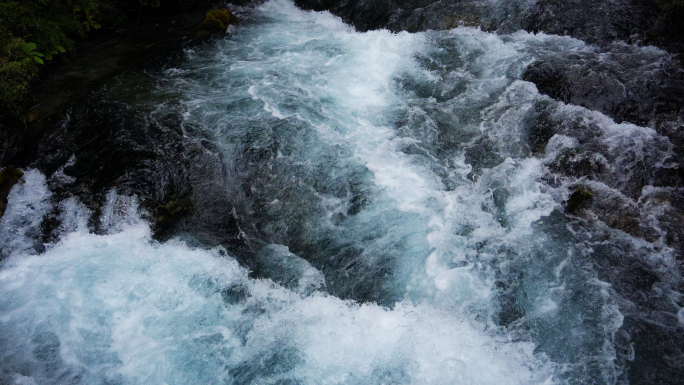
(122, 308)
(402, 228)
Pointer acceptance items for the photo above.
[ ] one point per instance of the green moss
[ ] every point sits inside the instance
(213, 25)
(218, 20)
(579, 199)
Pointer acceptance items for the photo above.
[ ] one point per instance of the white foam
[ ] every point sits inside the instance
(131, 310)
(29, 201)
(126, 308)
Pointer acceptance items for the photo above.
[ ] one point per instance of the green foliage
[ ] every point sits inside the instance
(29, 50)
(18, 65)
(671, 5)
(669, 25)
(33, 32)
(151, 3)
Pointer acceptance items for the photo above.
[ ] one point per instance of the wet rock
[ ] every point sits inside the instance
(666, 206)
(483, 154)
(585, 145)
(106, 145)
(540, 127)
(97, 145)
(579, 199)
(633, 84)
(218, 20)
(597, 22)
(363, 14)
(640, 22)
(602, 22)
(419, 15)
(578, 164)
(444, 15)
(9, 176)
(650, 338)
(615, 211)
(461, 20)
(169, 213)
(146, 42)
(214, 221)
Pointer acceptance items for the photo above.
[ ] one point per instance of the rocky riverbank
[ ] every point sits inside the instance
(91, 143)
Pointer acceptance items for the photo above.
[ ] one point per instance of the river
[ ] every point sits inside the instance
(408, 220)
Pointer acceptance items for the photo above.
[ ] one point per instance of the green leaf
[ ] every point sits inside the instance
(48, 57)
(38, 60)
(61, 49)
(28, 47)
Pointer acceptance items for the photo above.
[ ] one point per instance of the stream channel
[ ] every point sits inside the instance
(363, 208)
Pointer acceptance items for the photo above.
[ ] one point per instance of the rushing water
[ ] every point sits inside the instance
(405, 224)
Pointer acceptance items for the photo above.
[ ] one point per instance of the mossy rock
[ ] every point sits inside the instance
(168, 214)
(9, 176)
(579, 199)
(218, 20)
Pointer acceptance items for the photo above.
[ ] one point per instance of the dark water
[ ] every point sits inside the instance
(357, 208)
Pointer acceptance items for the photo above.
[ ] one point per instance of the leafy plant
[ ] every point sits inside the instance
(671, 5)
(151, 3)
(670, 20)
(17, 68)
(30, 51)
(33, 32)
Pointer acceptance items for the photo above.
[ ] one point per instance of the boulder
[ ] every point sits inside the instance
(218, 20)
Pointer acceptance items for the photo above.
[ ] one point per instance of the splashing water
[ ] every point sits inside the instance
(403, 228)
(121, 308)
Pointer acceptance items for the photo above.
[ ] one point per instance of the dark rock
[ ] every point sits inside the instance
(112, 144)
(579, 199)
(540, 127)
(578, 164)
(627, 83)
(9, 176)
(104, 145)
(597, 22)
(363, 14)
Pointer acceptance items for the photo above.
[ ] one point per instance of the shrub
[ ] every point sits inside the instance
(35, 31)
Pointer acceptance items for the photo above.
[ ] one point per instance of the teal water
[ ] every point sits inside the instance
(403, 229)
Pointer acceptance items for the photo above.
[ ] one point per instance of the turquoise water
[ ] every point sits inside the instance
(403, 230)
